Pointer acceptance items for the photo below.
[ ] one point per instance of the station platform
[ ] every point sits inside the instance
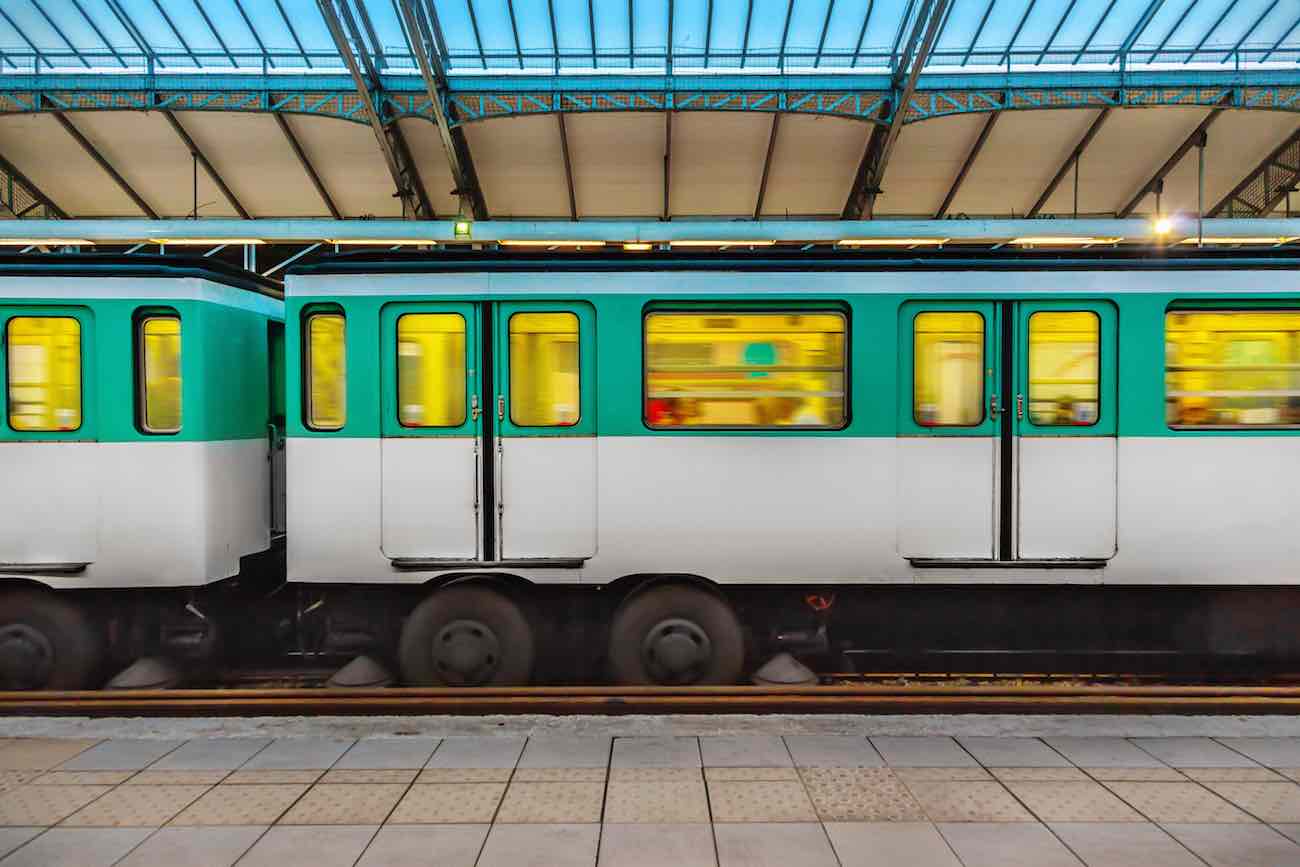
(220, 793)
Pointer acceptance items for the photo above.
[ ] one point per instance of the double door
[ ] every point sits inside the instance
(488, 445)
(1007, 432)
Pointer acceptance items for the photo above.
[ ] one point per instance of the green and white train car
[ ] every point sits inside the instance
(138, 452)
(725, 447)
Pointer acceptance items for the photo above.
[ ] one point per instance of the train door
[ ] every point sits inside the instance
(1007, 432)
(49, 503)
(275, 425)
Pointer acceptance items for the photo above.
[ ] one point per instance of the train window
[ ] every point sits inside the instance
(948, 369)
(1232, 368)
(431, 370)
(1064, 365)
(327, 378)
(44, 373)
(544, 373)
(159, 374)
(744, 369)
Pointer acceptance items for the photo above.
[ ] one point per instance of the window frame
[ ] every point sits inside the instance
(1101, 358)
(142, 316)
(830, 307)
(466, 333)
(510, 369)
(1260, 305)
(984, 364)
(82, 344)
(307, 316)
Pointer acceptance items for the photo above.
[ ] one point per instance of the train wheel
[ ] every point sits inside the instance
(46, 643)
(466, 636)
(675, 634)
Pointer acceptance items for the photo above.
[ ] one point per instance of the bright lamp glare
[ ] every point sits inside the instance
(1163, 226)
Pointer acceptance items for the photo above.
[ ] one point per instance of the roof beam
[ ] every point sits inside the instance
(104, 164)
(1011, 44)
(10, 172)
(203, 13)
(1266, 184)
(785, 35)
(284, 16)
(1232, 4)
(203, 161)
(76, 4)
(767, 165)
(1172, 30)
(826, 26)
(971, 156)
(862, 33)
(454, 143)
(179, 38)
(415, 202)
(568, 167)
(875, 158)
(1253, 27)
(1276, 45)
(1060, 22)
(668, 165)
(708, 31)
(248, 22)
(58, 31)
(375, 44)
(988, 10)
(1138, 29)
(1174, 159)
(514, 31)
(744, 40)
(129, 26)
(1083, 49)
(1088, 136)
(307, 167)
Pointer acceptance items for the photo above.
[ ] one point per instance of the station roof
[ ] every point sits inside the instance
(648, 109)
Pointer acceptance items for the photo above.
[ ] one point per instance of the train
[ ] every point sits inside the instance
(487, 467)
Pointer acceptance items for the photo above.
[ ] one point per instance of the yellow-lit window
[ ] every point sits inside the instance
(43, 365)
(327, 378)
(544, 377)
(431, 370)
(948, 354)
(1064, 363)
(745, 370)
(160, 374)
(1232, 368)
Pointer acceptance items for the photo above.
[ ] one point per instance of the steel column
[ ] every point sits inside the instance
(668, 164)
(307, 167)
(767, 166)
(104, 164)
(1266, 184)
(1073, 158)
(967, 163)
(207, 166)
(1175, 158)
(568, 167)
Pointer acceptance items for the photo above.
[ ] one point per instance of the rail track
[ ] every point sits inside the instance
(607, 700)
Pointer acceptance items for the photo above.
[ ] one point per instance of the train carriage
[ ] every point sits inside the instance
(138, 451)
(708, 452)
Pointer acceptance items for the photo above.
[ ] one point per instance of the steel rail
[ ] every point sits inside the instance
(1264, 700)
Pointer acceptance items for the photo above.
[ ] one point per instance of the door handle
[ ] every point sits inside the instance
(993, 406)
(473, 407)
(1020, 406)
(501, 407)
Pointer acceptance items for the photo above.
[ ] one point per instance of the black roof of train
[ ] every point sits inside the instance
(1157, 258)
(134, 265)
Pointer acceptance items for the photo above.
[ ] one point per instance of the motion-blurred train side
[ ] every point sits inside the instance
(658, 468)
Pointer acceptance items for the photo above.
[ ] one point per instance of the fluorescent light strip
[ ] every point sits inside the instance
(380, 242)
(45, 242)
(765, 243)
(554, 243)
(893, 242)
(204, 242)
(1062, 241)
(1244, 240)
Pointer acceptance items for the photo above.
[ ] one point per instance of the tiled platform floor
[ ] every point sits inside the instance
(797, 801)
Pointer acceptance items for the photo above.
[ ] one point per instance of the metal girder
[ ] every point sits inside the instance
(207, 165)
(767, 166)
(967, 163)
(875, 158)
(21, 196)
(668, 165)
(104, 164)
(1138, 29)
(568, 168)
(1088, 136)
(307, 166)
(1174, 159)
(454, 143)
(415, 202)
(1265, 185)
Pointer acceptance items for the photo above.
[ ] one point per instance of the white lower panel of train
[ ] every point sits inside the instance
(772, 510)
(155, 514)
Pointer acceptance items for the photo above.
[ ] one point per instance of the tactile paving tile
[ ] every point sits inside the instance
(860, 795)
(358, 804)
(559, 775)
(552, 803)
(348, 776)
(1039, 775)
(135, 806)
(659, 802)
(1177, 802)
(45, 805)
(82, 778)
(14, 779)
(774, 775)
(241, 805)
(948, 801)
(760, 802)
(654, 775)
(38, 754)
(1136, 775)
(464, 775)
(272, 777)
(448, 803)
(177, 778)
(926, 775)
(1234, 775)
(1270, 802)
(1073, 801)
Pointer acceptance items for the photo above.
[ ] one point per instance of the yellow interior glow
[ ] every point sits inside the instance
(160, 359)
(326, 371)
(44, 373)
(948, 369)
(544, 370)
(431, 382)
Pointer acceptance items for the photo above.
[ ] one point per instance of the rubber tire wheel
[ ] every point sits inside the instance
(635, 617)
(498, 611)
(78, 644)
